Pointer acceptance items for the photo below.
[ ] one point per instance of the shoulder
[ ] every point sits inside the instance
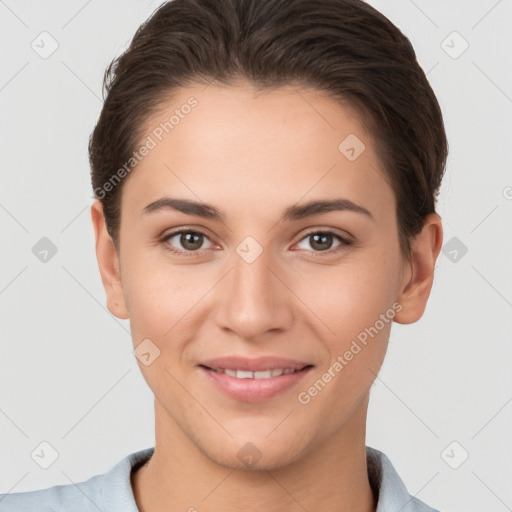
(389, 489)
(107, 492)
(84, 496)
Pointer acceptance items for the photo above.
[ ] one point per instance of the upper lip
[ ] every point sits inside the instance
(254, 364)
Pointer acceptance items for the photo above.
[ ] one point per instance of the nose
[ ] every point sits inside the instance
(254, 298)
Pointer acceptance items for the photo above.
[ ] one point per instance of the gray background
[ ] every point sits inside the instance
(67, 372)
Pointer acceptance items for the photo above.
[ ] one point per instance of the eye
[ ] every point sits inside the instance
(322, 242)
(190, 240)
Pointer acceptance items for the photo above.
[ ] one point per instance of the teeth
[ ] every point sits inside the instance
(264, 374)
(242, 374)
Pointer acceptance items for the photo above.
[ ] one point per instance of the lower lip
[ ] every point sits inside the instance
(253, 390)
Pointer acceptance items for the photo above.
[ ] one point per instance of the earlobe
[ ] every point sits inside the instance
(425, 248)
(108, 263)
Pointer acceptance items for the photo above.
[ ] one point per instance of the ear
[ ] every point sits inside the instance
(108, 262)
(425, 248)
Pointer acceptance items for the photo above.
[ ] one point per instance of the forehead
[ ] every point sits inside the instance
(233, 145)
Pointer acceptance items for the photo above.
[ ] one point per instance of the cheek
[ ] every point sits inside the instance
(356, 307)
(162, 301)
(350, 297)
(158, 307)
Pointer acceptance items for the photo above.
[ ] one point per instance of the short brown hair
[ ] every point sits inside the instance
(343, 47)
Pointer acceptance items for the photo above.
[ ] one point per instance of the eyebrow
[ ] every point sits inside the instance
(293, 213)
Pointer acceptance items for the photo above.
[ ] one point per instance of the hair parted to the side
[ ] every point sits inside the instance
(342, 47)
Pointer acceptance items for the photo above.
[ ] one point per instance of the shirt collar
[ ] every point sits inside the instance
(388, 488)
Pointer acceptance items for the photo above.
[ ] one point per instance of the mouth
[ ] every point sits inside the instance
(253, 380)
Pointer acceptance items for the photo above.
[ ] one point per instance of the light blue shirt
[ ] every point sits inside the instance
(112, 491)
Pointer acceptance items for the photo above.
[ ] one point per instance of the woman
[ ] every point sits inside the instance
(266, 175)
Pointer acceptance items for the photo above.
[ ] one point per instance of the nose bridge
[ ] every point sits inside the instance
(252, 298)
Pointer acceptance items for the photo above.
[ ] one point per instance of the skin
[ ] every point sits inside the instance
(252, 156)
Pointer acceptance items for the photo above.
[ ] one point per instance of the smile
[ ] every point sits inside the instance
(253, 380)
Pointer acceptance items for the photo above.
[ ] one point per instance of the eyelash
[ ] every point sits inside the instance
(343, 245)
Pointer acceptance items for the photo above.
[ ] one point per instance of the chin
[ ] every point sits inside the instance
(258, 454)
(258, 462)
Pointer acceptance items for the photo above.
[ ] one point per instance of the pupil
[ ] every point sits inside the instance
(320, 238)
(189, 239)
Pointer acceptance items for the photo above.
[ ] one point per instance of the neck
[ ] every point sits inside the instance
(331, 477)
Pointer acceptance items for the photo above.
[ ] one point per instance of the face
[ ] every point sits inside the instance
(247, 274)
